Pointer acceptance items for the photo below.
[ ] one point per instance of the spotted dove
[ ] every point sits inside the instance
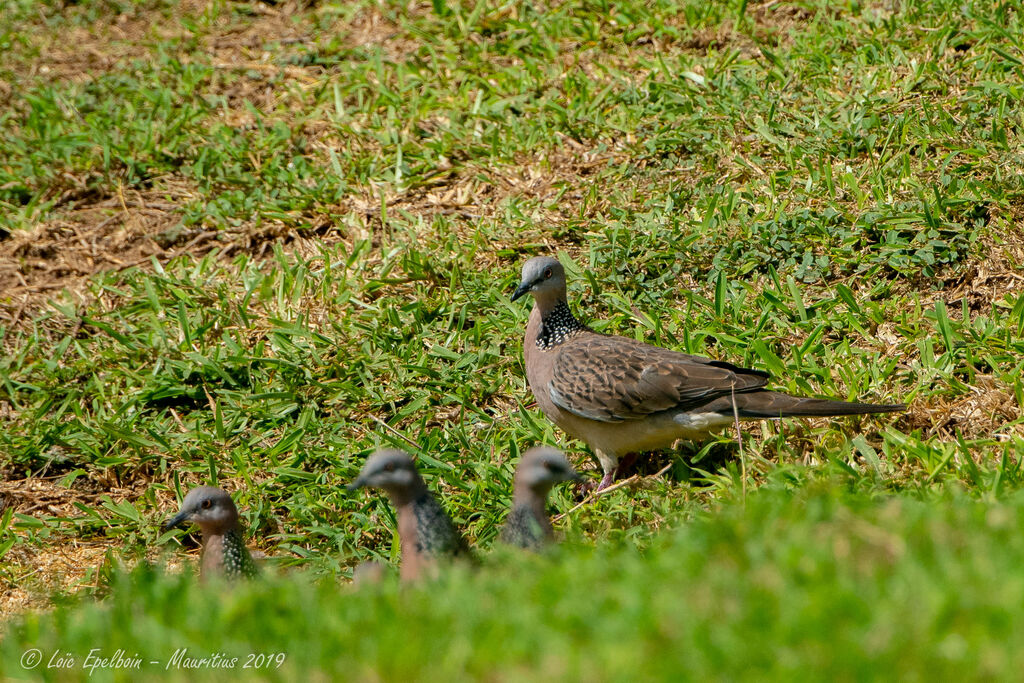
(539, 469)
(425, 531)
(623, 396)
(224, 551)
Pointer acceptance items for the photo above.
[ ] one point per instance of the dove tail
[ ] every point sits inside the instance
(768, 404)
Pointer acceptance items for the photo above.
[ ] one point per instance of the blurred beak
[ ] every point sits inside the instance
(357, 484)
(522, 289)
(176, 521)
(576, 476)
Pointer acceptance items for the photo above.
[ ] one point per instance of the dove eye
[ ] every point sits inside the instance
(547, 274)
(390, 467)
(207, 503)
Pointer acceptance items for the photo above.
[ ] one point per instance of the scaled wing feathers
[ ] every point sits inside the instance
(612, 379)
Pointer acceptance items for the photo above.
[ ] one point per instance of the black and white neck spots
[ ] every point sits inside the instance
(435, 534)
(236, 559)
(558, 326)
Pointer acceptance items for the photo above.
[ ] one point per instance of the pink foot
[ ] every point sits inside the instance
(606, 481)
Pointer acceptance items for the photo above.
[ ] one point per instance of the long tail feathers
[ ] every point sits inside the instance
(768, 404)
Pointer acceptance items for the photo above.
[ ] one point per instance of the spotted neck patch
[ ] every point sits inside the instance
(237, 560)
(558, 326)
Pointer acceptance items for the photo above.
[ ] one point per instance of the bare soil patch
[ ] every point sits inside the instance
(97, 234)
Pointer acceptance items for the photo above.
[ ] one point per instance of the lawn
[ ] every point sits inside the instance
(247, 243)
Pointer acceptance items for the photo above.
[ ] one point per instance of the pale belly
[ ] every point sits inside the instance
(654, 433)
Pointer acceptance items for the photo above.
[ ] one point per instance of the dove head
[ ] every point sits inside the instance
(394, 472)
(541, 468)
(544, 278)
(209, 507)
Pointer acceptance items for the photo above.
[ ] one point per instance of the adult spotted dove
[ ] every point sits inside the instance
(224, 551)
(623, 396)
(539, 470)
(425, 531)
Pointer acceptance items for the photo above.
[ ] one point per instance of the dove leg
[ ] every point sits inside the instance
(609, 464)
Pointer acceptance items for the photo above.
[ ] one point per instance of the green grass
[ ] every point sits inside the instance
(829, 192)
(828, 584)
